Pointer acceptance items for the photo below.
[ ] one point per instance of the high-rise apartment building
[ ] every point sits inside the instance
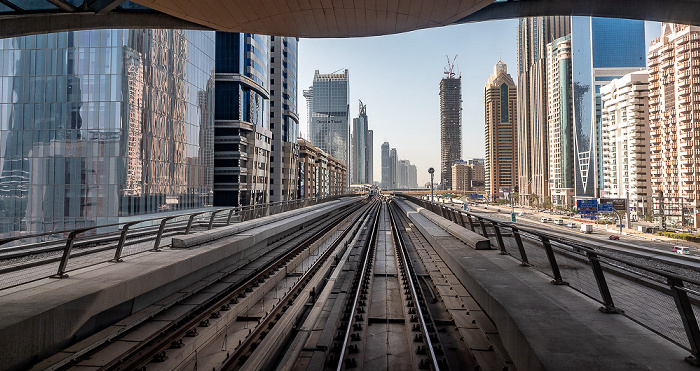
(242, 136)
(386, 169)
(412, 176)
(330, 114)
(500, 132)
(469, 175)
(626, 139)
(450, 125)
(533, 159)
(674, 118)
(402, 173)
(370, 157)
(361, 148)
(560, 123)
(602, 49)
(284, 121)
(309, 96)
(100, 125)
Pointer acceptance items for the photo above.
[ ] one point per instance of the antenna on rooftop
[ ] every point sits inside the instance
(452, 68)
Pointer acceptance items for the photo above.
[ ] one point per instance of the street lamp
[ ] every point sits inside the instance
(432, 174)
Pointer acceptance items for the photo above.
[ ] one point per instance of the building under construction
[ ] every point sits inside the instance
(450, 122)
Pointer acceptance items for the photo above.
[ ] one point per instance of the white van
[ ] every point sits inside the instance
(559, 221)
(683, 250)
(545, 219)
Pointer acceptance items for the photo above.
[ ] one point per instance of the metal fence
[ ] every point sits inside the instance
(662, 301)
(31, 257)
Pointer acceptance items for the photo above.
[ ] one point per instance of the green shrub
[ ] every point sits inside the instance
(682, 236)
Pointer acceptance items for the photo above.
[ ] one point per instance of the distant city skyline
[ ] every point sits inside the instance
(398, 77)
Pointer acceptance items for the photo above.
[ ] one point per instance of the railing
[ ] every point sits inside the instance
(54, 254)
(665, 302)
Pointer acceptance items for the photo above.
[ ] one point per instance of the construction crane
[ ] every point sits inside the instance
(452, 68)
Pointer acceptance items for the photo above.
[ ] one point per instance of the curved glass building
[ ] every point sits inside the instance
(97, 126)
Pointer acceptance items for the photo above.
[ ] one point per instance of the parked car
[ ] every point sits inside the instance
(614, 237)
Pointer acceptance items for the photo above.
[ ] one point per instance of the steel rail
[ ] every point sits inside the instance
(370, 248)
(145, 355)
(232, 361)
(401, 248)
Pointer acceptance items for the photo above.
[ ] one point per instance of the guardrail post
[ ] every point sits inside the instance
(66, 253)
(609, 306)
(122, 240)
(461, 219)
(230, 215)
(519, 241)
(499, 238)
(189, 222)
(483, 227)
(471, 223)
(156, 244)
(552, 262)
(211, 220)
(690, 323)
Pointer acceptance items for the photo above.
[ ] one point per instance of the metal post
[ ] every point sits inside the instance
(552, 262)
(499, 238)
(461, 219)
(189, 222)
(122, 240)
(156, 245)
(483, 227)
(211, 220)
(519, 242)
(230, 215)
(66, 253)
(609, 306)
(471, 223)
(690, 323)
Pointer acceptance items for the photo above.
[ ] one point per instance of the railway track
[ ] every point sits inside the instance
(362, 290)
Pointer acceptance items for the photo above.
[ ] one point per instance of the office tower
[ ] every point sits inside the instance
(561, 122)
(674, 123)
(412, 176)
(500, 132)
(450, 123)
(386, 171)
(309, 96)
(330, 114)
(393, 168)
(361, 148)
(102, 125)
(603, 49)
(626, 138)
(284, 121)
(469, 175)
(533, 160)
(370, 157)
(242, 137)
(402, 173)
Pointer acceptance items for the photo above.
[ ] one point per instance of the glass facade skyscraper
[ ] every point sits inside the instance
(330, 114)
(242, 136)
(602, 49)
(100, 125)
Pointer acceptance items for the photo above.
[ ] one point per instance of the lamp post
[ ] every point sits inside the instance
(432, 174)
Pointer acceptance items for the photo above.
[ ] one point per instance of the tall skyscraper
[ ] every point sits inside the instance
(603, 49)
(386, 171)
(361, 148)
(242, 137)
(330, 114)
(402, 173)
(370, 157)
(284, 121)
(626, 138)
(533, 36)
(500, 132)
(674, 120)
(561, 122)
(450, 123)
(100, 125)
(309, 96)
(412, 176)
(393, 168)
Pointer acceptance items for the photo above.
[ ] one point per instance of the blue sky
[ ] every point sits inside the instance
(398, 77)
